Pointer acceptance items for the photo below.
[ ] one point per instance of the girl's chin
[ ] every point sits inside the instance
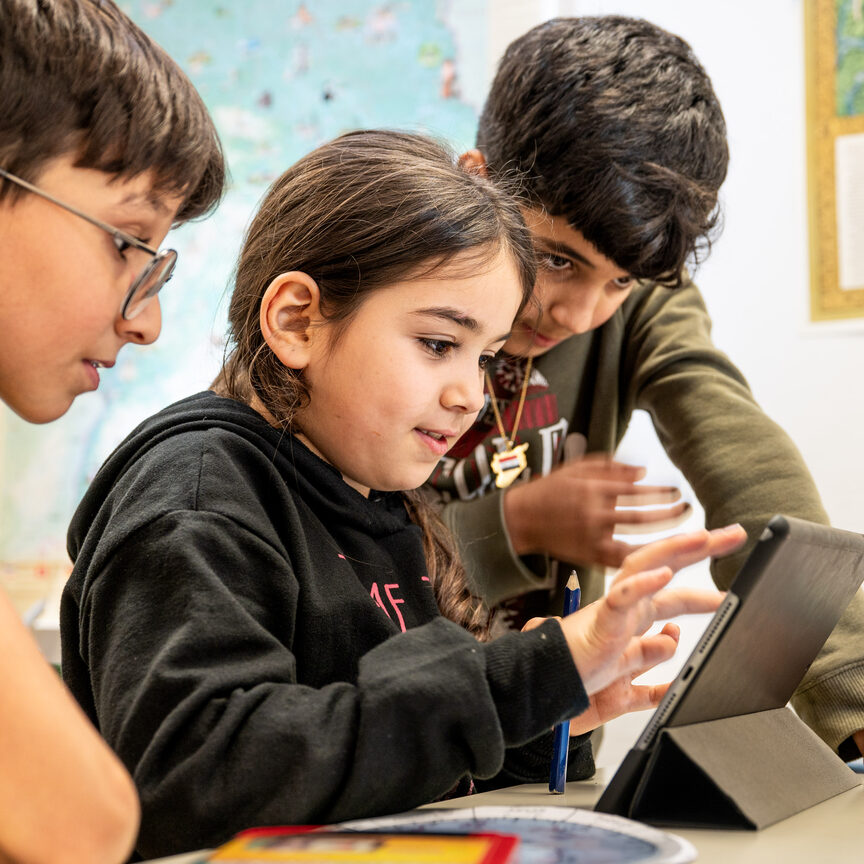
(401, 482)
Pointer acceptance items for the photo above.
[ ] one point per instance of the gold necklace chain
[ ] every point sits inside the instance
(510, 462)
(512, 439)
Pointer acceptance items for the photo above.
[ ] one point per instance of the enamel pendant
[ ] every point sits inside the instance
(508, 464)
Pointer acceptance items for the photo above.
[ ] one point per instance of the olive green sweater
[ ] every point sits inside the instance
(655, 353)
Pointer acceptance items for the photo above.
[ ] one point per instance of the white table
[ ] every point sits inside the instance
(829, 833)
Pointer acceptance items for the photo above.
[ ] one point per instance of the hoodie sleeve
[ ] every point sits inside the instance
(186, 631)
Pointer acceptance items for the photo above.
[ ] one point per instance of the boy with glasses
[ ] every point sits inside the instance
(615, 131)
(104, 146)
(155, 273)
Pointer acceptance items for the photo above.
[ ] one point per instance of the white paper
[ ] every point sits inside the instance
(849, 179)
(563, 835)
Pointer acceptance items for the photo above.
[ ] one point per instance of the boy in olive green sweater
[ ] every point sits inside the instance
(620, 143)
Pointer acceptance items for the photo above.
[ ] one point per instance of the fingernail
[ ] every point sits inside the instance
(735, 527)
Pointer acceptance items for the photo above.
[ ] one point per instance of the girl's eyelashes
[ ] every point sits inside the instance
(437, 347)
(441, 348)
(623, 282)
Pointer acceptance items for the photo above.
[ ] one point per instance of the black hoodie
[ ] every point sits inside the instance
(261, 645)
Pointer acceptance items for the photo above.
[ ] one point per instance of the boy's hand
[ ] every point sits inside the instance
(605, 637)
(571, 513)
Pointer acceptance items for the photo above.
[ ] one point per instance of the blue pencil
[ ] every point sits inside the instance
(561, 741)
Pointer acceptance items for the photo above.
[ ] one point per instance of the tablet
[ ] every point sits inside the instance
(782, 606)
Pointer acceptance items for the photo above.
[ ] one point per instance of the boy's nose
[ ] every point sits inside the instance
(145, 327)
(577, 315)
(576, 311)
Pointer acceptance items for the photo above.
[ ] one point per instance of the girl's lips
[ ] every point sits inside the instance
(438, 445)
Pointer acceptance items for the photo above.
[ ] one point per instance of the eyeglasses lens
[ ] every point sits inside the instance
(149, 283)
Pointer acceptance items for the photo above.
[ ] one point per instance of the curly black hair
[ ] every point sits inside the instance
(613, 123)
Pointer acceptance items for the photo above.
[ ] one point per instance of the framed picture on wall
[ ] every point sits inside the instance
(834, 38)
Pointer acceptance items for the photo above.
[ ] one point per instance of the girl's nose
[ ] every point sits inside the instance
(464, 394)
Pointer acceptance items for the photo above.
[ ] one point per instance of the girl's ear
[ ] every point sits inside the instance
(473, 162)
(290, 314)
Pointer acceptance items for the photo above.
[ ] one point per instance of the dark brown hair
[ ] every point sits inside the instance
(612, 123)
(79, 77)
(361, 213)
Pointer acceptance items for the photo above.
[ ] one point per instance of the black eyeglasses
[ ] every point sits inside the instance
(149, 281)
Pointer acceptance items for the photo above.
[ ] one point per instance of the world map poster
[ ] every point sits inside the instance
(279, 77)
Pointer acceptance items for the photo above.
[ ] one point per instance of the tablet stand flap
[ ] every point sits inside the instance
(747, 771)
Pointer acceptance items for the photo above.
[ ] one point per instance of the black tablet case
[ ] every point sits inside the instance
(730, 754)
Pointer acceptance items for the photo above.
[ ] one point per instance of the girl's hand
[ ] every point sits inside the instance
(623, 696)
(605, 637)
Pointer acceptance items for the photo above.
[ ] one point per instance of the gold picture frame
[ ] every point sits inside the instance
(830, 298)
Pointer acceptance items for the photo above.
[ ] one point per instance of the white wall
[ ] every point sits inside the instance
(756, 282)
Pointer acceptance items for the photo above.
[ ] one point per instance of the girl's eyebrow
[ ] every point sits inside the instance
(457, 317)
(450, 314)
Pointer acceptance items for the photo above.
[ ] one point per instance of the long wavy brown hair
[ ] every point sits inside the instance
(358, 214)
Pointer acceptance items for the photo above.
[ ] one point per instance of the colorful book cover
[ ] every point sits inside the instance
(308, 845)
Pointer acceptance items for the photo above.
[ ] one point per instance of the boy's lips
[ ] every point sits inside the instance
(538, 340)
(92, 368)
(544, 341)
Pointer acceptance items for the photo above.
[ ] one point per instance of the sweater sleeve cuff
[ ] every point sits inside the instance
(533, 681)
(834, 706)
(531, 763)
(495, 572)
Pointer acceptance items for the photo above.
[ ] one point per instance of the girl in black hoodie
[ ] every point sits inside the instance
(264, 627)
